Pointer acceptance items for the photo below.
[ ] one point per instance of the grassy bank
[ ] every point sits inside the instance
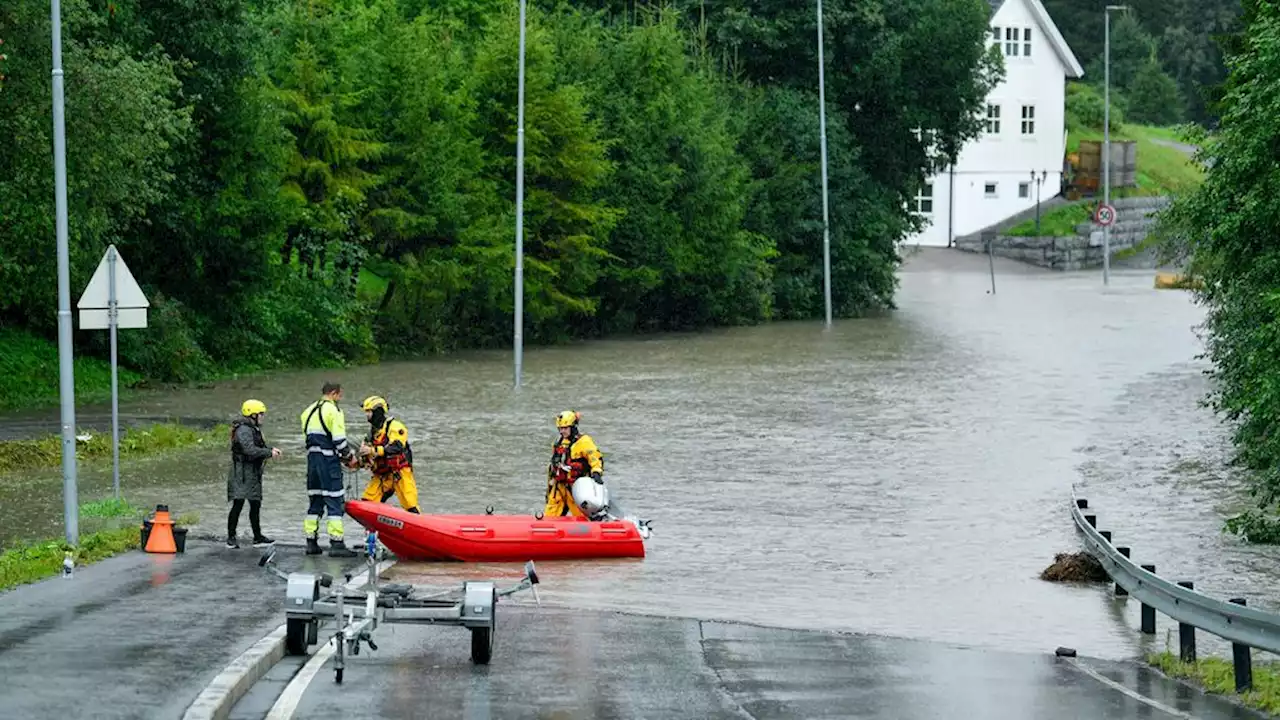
(1216, 675)
(134, 442)
(1162, 170)
(29, 373)
(39, 560)
(1058, 222)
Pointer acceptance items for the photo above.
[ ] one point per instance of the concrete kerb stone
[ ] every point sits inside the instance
(216, 701)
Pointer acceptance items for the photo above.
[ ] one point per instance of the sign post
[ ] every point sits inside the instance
(113, 300)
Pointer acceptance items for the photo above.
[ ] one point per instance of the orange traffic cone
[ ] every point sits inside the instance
(161, 538)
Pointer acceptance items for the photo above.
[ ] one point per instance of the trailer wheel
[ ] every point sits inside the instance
(295, 636)
(481, 645)
(313, 632)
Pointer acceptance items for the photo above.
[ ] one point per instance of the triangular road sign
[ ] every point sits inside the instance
(128, 294)
(130, 300)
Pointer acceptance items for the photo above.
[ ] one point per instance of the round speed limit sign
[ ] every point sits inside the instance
(1105, 215)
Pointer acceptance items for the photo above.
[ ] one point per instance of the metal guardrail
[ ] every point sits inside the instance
(1230, 620)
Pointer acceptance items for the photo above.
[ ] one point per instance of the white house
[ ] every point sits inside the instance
(1025, 133)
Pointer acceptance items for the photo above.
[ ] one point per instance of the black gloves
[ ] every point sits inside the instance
(596, 476)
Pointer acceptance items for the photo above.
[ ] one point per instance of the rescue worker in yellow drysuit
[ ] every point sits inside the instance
(325, 430)
(388, 454)
(573, 456)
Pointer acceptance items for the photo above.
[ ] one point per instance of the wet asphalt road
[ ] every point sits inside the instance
(136, 636)
(554, 663)
(139, 636)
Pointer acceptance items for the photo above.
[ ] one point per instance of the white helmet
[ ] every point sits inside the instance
(592, 497)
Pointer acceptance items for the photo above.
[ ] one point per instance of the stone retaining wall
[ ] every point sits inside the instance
(1135, 219)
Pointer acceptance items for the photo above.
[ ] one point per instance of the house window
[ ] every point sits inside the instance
(924, 199)
(993, 119)
(1028, 119)
(1011, 42)
(1026, 42)
(995, 35)
(989, 190)
(1024, 190)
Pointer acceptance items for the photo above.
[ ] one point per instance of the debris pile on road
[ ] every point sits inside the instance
(1074, 567)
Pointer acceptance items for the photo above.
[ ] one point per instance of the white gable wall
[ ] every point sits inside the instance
(1006, 156)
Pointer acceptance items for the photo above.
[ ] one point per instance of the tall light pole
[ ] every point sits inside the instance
(822, 121)
(1106, 139)
(519, 319)
(66, 380)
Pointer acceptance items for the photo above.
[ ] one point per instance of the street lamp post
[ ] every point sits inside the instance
(66, 380)
(822, 122)
(1044, 174)
(1106, 139)
(519, 290)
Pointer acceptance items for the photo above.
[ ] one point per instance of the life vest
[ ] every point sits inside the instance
(237, 452)
(385, 464)
(560, 460)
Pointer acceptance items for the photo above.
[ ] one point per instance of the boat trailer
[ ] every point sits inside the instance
(311, 600)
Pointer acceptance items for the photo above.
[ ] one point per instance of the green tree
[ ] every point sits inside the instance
(123, 117)
(1233, 253)
(1153, 95)
(681, 256)
(566, 226)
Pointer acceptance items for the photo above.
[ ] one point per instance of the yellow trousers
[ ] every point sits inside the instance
(401, 484)
(560, 501)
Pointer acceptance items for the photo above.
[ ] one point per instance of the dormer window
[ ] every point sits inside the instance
(1017, 41)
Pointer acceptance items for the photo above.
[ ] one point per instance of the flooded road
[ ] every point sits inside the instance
(905, 475)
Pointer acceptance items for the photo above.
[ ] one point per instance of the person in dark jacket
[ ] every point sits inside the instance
(248, 453)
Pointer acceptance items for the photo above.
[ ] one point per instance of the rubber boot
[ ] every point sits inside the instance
(339, 549)
(313, 547)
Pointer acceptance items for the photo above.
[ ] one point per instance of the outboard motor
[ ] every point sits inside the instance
(592, 497)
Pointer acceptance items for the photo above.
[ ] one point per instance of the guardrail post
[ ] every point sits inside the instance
(1242, 660)
(1106, 535)
(1092, 520)
(1121, 592)
(1148, 612)
(1187, 632)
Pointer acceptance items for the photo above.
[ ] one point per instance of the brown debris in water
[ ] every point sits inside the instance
(1075, 567)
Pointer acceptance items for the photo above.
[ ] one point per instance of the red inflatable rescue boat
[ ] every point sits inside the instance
(495, 538)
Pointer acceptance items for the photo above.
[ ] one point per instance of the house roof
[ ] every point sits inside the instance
(1051, 30)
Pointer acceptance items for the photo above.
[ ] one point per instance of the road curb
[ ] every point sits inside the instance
(220, 696)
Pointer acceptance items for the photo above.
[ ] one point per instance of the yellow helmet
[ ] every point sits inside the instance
(252, 407)
(375, 401)
(568, 418)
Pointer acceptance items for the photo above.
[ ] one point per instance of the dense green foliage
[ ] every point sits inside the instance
(1166, 59)
(1227, 227)
(325, 181)
(29, 373)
